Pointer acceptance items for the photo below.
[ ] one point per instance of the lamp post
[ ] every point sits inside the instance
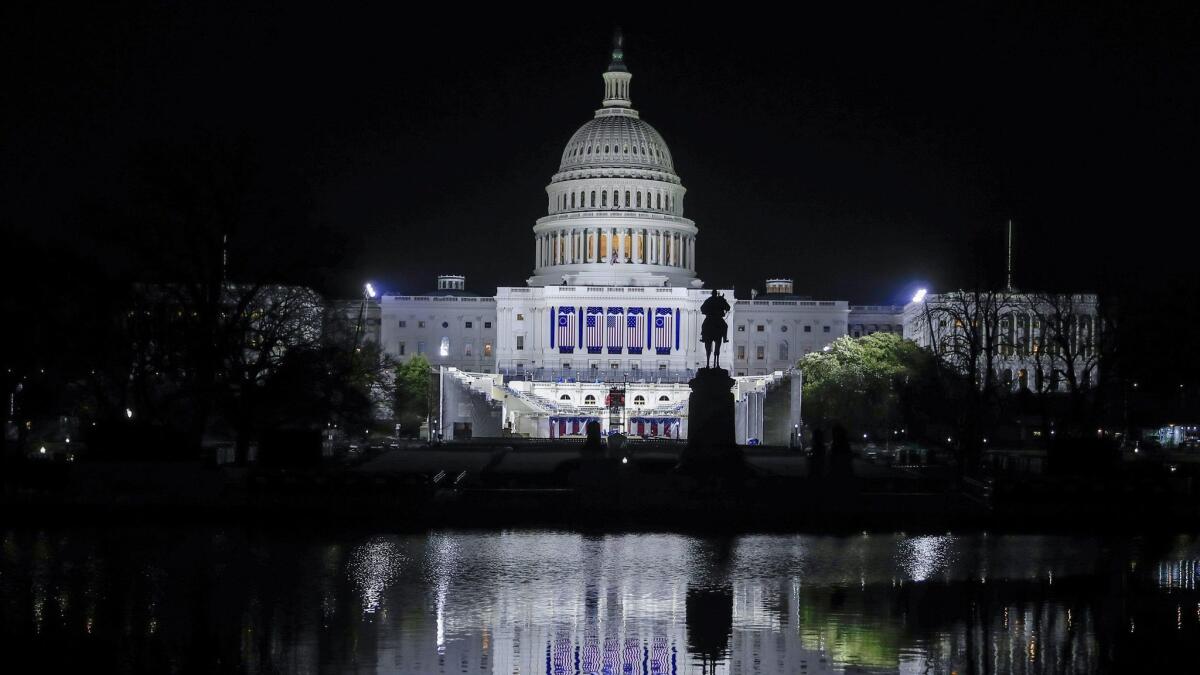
(368, 293)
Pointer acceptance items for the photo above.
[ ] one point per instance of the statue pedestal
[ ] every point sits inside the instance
(711, 446)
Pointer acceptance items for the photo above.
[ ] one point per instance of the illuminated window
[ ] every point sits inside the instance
(520, 317)
(741, 329)
(487, 349)
(759, 352)
(444, 349)
(741, 353)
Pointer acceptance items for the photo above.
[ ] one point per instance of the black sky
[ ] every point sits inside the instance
(860, 152)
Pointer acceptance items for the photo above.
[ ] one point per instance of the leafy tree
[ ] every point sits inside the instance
(412, 391)
(869, 384)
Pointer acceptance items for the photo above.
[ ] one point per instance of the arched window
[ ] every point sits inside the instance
(627, 148)
(664, 399)
(589, 400)
(606, 149)
(589, 150)
(604, 198)
(627, 199)
(639, 400)
(659, 201)
(565, 397)
(783, 350)
(593, 198)
(572, 200)
(639, 200)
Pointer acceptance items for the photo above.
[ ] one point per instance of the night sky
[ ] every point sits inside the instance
(863, 154)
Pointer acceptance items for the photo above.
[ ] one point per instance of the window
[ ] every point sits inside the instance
(566, 365)
(627, 191)
(487, 349)
(760, 328)
(403, 323)
(520, 342)
(520, 317)
(445, 324)
(594, 365)
(783, 351)
(444, 349)
(662, 367)
(572, 200)
(783, 329)
(639, 400)
(808, 329)
(604, 198)
(615, 365)
(664, 399)
(487, 324)
(741, 329)
(468, 348)
(589, 400)
(420, 324)
(639, 199)
(593, 197)
(634, 366)
(760, 352)
(565, 397)
(401, 349)
(825, 329)
(468, 324)
(420, 347)
(741, 352)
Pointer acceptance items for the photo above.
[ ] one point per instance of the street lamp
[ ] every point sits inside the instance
(368, 293)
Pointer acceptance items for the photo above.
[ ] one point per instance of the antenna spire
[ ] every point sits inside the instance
(1009, 281)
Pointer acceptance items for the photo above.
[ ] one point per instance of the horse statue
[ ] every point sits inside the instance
(714, 331)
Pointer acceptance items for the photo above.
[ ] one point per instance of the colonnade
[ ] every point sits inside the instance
(639, 245)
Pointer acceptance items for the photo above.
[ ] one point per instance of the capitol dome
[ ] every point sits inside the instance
(615, 206)
(618, 139)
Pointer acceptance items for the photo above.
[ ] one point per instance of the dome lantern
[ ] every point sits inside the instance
(616, 79)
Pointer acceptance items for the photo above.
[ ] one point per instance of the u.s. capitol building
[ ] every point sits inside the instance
(613, 298)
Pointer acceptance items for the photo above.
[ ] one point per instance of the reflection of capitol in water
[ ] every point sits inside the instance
(561, 603)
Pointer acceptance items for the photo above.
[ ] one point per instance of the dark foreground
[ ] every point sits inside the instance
(298, 599)
(641, 487)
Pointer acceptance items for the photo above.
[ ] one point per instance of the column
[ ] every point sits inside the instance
(621, 256)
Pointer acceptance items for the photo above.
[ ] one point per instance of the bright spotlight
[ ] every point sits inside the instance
(370, 290)
(919, 296)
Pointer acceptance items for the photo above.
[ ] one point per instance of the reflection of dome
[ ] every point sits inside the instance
(616, 140)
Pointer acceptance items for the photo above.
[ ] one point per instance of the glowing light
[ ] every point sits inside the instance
(128, 414)
(920, 295)
(370, 290)
(624, 460)
(42, 450)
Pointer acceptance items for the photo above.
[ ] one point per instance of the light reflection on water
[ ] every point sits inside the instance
(162, 600)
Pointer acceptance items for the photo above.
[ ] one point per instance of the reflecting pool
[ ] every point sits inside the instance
(238, 600)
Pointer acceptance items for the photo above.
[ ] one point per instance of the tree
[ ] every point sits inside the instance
(868, 384)
(412, 391)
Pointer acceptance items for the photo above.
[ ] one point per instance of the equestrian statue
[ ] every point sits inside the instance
(714, 331)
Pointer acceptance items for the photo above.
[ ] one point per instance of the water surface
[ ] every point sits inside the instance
(235, 600)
